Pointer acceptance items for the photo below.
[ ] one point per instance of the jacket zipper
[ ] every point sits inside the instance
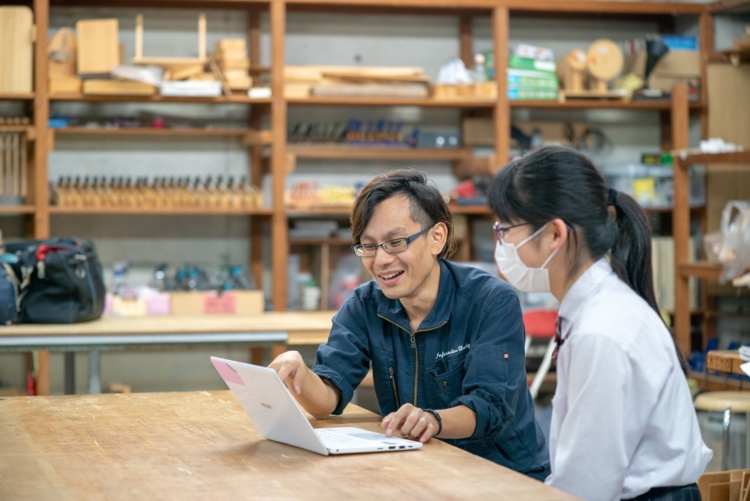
(393, 386)
(416, 359)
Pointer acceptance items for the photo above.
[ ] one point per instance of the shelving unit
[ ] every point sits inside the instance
(274, 110)
(685, 268)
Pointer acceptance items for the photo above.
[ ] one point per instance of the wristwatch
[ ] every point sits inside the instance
(437, 418)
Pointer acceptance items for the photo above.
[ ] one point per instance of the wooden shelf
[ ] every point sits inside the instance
(346, 242)
(203, 4)
(160, 99)
(7, 96)
(690, 158)
(478, 210)
(470, 210)
(16, 209)
(393, 101)
(732, 56)
(165, 211)
(149, 131)
(321, 211)
(700, 269)
(384, 152)
(553, 6)
(598, 104)
(729, 6)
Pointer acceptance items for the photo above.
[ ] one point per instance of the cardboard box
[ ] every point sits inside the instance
(481, 131)
(210, 302)
(675, 67)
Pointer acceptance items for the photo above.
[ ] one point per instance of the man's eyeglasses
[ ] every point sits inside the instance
(391, 247)
(500, 230)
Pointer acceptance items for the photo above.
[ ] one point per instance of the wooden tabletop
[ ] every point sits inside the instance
(201, 445)
(727, 361)
(302, 327)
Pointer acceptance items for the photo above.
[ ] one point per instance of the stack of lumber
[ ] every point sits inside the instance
(354, 81)
(231, 59)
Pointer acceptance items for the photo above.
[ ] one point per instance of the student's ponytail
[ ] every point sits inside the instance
(631, 250)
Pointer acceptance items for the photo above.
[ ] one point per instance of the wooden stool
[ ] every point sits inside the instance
(727, 402)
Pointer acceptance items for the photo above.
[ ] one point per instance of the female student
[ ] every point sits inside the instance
(623, 423)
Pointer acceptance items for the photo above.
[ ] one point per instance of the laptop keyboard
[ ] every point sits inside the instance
(332, 438)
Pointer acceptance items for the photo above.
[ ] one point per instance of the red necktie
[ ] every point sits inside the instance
(558, 339)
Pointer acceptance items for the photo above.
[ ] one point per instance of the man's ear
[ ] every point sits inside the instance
(559, 231)
(438, 236)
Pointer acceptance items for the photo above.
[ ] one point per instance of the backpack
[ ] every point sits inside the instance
(8, 294)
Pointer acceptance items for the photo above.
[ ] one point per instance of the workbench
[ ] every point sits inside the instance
(202, 445)
(276, 329)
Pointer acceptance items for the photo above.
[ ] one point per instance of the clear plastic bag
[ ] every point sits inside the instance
(734, 251)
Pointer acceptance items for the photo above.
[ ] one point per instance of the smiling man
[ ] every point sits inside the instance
(445, 341)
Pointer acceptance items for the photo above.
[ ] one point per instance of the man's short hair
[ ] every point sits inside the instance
(427, 204)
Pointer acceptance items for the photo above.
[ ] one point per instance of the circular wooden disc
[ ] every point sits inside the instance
(605, 59)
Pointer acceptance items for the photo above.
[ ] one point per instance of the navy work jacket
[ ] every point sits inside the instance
(469, 350)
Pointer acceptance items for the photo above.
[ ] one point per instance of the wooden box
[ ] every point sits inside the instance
(480, 90)
(239, 302)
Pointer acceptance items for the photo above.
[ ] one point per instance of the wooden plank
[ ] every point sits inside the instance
(703, 270)
(97, 46)
(720, 6)
(392, 153)
(162, 99)
(550, 6)
(160, 211)
(354, 75)
(389, 101)
(16, 61)
(727, 361)
(151, 131)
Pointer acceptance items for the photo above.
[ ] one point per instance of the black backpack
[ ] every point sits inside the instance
(61, 281)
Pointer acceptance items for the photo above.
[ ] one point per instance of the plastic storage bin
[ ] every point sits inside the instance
(652, 186)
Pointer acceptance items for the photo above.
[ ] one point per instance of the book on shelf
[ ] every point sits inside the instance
(532, 78)
(522, 93)
(526, 63)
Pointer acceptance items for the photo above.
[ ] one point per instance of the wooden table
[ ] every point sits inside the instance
(116, 333)
(201, 445)
(727, 361)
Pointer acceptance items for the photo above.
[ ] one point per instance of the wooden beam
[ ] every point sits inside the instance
(500, 33)
(706, 37)
(681, 218)
(279, 224)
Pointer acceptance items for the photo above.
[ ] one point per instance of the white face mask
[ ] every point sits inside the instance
(517, 273)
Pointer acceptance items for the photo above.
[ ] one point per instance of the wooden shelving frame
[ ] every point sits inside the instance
(38, 211)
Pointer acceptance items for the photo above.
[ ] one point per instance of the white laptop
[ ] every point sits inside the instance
(277, 416)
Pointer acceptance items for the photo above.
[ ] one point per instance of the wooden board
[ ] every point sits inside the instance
(118, 88)
(314, 74)
(98, 46)
(16, 40)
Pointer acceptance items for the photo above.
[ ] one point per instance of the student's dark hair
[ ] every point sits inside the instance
(427, 204)
(558, 182)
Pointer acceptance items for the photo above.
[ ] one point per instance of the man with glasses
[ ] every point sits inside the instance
(445, 341)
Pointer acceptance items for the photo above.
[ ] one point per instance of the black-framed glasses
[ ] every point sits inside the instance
(500, 230)
(391, 246)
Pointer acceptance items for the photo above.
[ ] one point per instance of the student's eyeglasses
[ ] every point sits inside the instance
(500, 230)
(391, 246)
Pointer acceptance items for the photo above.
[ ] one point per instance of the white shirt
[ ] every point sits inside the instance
(623, 419)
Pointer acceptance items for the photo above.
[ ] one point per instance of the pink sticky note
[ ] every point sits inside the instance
(227, 373)
(224, 303)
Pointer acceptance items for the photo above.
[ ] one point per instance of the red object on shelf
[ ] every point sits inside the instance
(30, 383)
(465, 189)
